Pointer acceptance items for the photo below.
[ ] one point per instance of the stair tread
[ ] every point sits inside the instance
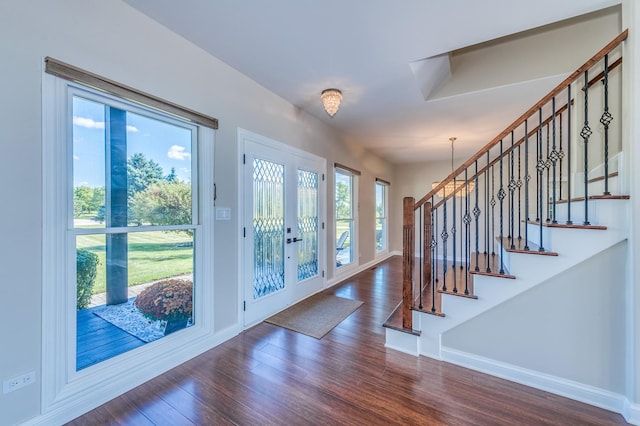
(428, 302)
(490, 260)
(394, 322)
(520, 246)
(568, 225)
(458, 279)
(595, 197)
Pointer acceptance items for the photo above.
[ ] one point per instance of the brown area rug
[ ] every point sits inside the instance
(316, 315)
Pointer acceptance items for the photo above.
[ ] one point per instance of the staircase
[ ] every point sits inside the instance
(520, 222)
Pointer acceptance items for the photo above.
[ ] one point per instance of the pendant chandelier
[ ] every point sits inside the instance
(457, 187)
(331, 99)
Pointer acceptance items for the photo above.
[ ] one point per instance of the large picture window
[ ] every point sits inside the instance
(127, 221)
(134, 224)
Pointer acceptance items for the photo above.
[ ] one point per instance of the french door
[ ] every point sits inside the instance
(283, 241)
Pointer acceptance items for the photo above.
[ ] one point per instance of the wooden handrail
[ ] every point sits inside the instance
(532, 132)
(600, 75)
(546, 121)
(557, 90)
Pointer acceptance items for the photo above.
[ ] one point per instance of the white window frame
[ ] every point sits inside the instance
(355, 259)
(384, 217)
(67, 393)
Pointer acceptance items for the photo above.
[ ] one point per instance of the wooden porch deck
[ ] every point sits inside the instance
(98, 340)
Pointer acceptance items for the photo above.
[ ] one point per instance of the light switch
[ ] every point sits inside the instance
(223, 213)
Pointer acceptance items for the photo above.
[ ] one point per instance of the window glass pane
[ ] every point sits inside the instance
(268, 227)
(344, 196)
(381, 217)
(381, 243)
(379, 200)
(344, 218)
(344, 248)
(160, 254)
(158, 172)
(88, 163)
(158, 168)
(307, 224)
(157, 281)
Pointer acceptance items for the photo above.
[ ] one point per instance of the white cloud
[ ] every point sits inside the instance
(89, 123)
(75, 157)
(177, 153)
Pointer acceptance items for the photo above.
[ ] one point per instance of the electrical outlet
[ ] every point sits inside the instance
(19, 382)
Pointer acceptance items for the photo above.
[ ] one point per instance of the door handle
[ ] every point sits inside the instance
(293, 240)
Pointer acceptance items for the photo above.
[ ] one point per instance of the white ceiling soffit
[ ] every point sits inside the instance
(432, 73)
(373, 51)
(555, 49)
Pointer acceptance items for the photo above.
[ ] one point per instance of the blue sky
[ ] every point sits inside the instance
(166, 144)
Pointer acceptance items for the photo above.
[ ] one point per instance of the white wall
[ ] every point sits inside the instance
(115, 41)
(554, 49)
(413, 180)
(631, 106)
(572, 326)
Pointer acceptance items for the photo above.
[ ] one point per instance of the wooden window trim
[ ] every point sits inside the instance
(69, 72)
(347, 169)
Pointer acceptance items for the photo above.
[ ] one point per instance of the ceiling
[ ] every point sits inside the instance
(413, 73)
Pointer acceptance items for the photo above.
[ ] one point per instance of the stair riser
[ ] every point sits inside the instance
(573, 246)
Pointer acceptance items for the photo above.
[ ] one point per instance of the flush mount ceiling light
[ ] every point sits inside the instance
(458, 188)
(331, 99)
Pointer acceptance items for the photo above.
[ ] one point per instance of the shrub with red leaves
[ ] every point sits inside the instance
(167, 300)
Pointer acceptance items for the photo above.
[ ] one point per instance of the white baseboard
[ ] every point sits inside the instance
(567, 388)
(98, 395)
(354, 271)
(631, 412)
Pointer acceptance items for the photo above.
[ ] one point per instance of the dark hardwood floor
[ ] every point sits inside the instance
(268, 375)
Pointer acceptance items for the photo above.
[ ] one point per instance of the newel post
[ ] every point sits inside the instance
(408, 247)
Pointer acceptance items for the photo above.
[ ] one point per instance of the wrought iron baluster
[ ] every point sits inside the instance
(585, 133)
(493, 212)
(453, 237)
(569, 222)
(512, 188)
(434, 263)
(538, 144)
(445, 237)
(560, 154)
(527, 178)
(606, 120)
(421, 251)
(519, 186)
(554, 158)
(487, 229)
(501, 195)
(547, 166)
(476, 214)
(467, 232)
(540, 166)
(461, 196)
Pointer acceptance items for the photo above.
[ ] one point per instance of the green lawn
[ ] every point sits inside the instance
(152, 256)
